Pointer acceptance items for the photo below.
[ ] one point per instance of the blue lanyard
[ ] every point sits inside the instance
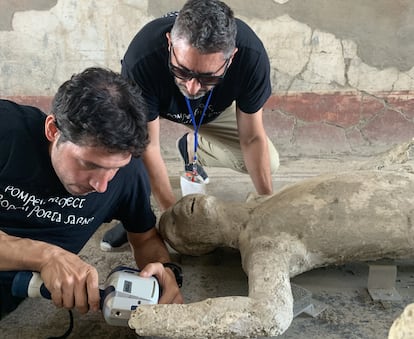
(196, 128)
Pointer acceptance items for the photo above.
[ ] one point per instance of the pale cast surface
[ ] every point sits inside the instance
(332, 218)
(403, 326)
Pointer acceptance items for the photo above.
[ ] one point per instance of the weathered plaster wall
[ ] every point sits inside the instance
(342, 71)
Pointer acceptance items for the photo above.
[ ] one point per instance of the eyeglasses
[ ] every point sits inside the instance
(205, 79)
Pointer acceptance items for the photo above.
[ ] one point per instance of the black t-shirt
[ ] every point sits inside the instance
(33, 201)
(247, 80)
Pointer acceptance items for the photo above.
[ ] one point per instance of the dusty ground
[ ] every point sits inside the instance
(349, 310)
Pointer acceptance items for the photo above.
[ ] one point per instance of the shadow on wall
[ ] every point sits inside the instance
(8, 8)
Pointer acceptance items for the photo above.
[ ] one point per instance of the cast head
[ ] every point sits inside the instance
(194, 225)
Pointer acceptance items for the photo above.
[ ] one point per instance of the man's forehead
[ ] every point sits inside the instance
(102, 157)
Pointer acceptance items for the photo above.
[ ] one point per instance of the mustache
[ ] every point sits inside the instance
(202, 92)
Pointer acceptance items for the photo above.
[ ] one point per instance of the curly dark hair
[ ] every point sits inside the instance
(99, 108)
(207, 25)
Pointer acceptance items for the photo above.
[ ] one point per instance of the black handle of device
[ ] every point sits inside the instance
(30, 284)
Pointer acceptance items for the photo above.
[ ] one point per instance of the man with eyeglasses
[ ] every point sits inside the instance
(205, 69)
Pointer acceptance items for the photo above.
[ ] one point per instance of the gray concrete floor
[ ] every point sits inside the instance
(349, 310)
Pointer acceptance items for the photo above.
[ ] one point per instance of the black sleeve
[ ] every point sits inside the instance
(135, 209)
(146, 63)
(254, 70)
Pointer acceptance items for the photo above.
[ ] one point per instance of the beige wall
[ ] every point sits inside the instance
(313, 45)
(344, 53)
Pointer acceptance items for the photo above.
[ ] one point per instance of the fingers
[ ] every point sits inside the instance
(92, 284)
(76, 289)
(171, 293)
(174, 298)
(85, 292)
(62, 293)
(80, 299)
(153, 269)
(56, 295)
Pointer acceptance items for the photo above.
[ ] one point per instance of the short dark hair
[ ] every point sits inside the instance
(98, 107)
(207, 25)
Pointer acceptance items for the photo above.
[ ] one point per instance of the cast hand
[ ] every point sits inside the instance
(171, 293)
(71, 282)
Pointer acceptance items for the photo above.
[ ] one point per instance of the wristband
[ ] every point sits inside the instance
(178, 272)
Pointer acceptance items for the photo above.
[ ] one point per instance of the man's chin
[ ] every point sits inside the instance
(78, 191)
(195, 97)
(192, 97)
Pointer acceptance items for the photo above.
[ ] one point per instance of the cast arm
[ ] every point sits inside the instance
(253, 143)
(267, 311)
(71, 281)
(156, 168)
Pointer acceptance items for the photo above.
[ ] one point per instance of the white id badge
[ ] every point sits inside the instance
(191, 185)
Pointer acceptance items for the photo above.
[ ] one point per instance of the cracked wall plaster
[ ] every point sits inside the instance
(47, 47)
(313, 46)
(383, 29)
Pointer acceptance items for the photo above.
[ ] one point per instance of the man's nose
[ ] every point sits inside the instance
(100, 181)
(193, 86)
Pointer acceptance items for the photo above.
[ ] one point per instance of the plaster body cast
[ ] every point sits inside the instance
(328, 219)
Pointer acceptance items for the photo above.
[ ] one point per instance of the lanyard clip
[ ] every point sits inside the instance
(195, 172)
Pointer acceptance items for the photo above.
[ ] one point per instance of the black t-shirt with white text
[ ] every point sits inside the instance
(247, 80)
(33, 201)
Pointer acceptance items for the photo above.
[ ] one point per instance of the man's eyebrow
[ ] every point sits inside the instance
(94, 165)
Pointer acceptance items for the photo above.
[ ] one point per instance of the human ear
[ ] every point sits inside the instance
(232, 55)
(168, 35)
(51, 130)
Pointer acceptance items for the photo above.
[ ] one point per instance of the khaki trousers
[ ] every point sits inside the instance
(219, 146)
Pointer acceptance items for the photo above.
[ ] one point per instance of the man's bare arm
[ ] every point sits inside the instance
(157, 171)
(253, 143)
(70, 281)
